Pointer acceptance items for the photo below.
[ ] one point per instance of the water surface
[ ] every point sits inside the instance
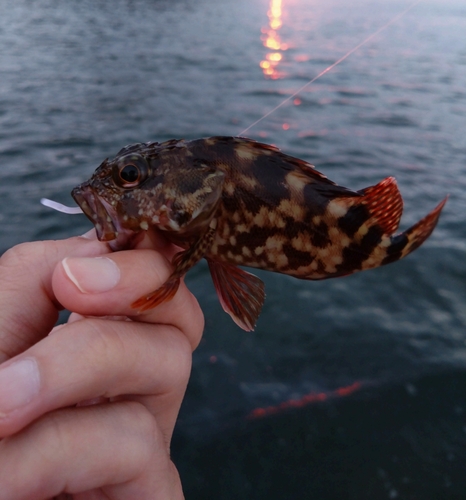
(81, 80)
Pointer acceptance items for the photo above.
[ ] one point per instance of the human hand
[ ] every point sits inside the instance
(89, 410)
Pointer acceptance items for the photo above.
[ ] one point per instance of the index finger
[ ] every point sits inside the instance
(28, 307)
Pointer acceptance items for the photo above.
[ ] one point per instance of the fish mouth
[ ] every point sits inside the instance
(104, 217)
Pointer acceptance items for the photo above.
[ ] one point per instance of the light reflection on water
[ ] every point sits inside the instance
(272, 41)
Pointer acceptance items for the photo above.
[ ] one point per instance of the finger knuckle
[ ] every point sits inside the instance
(21, 253)
(142, 422)
(100, 338)
(181, 354)
(21, 257)
(196, 324)
(141, 417)
(53, 431)
(199, 326)
(16, 257)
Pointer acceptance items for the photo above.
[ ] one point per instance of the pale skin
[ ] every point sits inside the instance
(87, 409)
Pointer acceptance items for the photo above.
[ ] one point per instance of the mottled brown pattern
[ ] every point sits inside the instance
(239, 202)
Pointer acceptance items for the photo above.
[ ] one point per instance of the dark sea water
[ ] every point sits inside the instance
(352, 388)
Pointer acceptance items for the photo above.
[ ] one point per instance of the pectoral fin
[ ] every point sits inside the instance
(240, 293)
(182, 262)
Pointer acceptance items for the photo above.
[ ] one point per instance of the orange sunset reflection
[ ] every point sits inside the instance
(272, 41)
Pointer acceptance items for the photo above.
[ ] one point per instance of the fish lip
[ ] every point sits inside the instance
(103, 216)
(92, 206)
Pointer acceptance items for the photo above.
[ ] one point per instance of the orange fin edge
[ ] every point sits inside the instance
(418, 233)
(163, 294)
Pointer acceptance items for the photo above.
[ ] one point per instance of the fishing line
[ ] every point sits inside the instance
(326, 70)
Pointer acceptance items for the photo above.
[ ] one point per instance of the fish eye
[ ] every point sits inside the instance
(130, 172)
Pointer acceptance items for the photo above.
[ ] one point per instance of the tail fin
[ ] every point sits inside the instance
(361, 232)
(403, 244)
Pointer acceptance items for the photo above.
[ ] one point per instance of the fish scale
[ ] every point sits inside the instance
(235, 201)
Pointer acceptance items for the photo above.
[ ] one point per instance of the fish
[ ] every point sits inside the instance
(238, 202)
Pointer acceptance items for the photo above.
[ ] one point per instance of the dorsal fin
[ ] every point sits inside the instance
(289, 162)
(263, 146)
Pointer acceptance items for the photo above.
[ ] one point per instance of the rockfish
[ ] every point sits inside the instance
(238, 202)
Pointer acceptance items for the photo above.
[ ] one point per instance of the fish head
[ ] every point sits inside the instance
(146, 186)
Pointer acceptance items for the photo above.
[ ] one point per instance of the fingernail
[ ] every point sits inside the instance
(19, 384)
(92, 274)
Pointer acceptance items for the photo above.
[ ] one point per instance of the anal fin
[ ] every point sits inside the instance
(240, 293)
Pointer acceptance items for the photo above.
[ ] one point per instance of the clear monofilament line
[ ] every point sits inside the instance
(326, 70)
(60, 207)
